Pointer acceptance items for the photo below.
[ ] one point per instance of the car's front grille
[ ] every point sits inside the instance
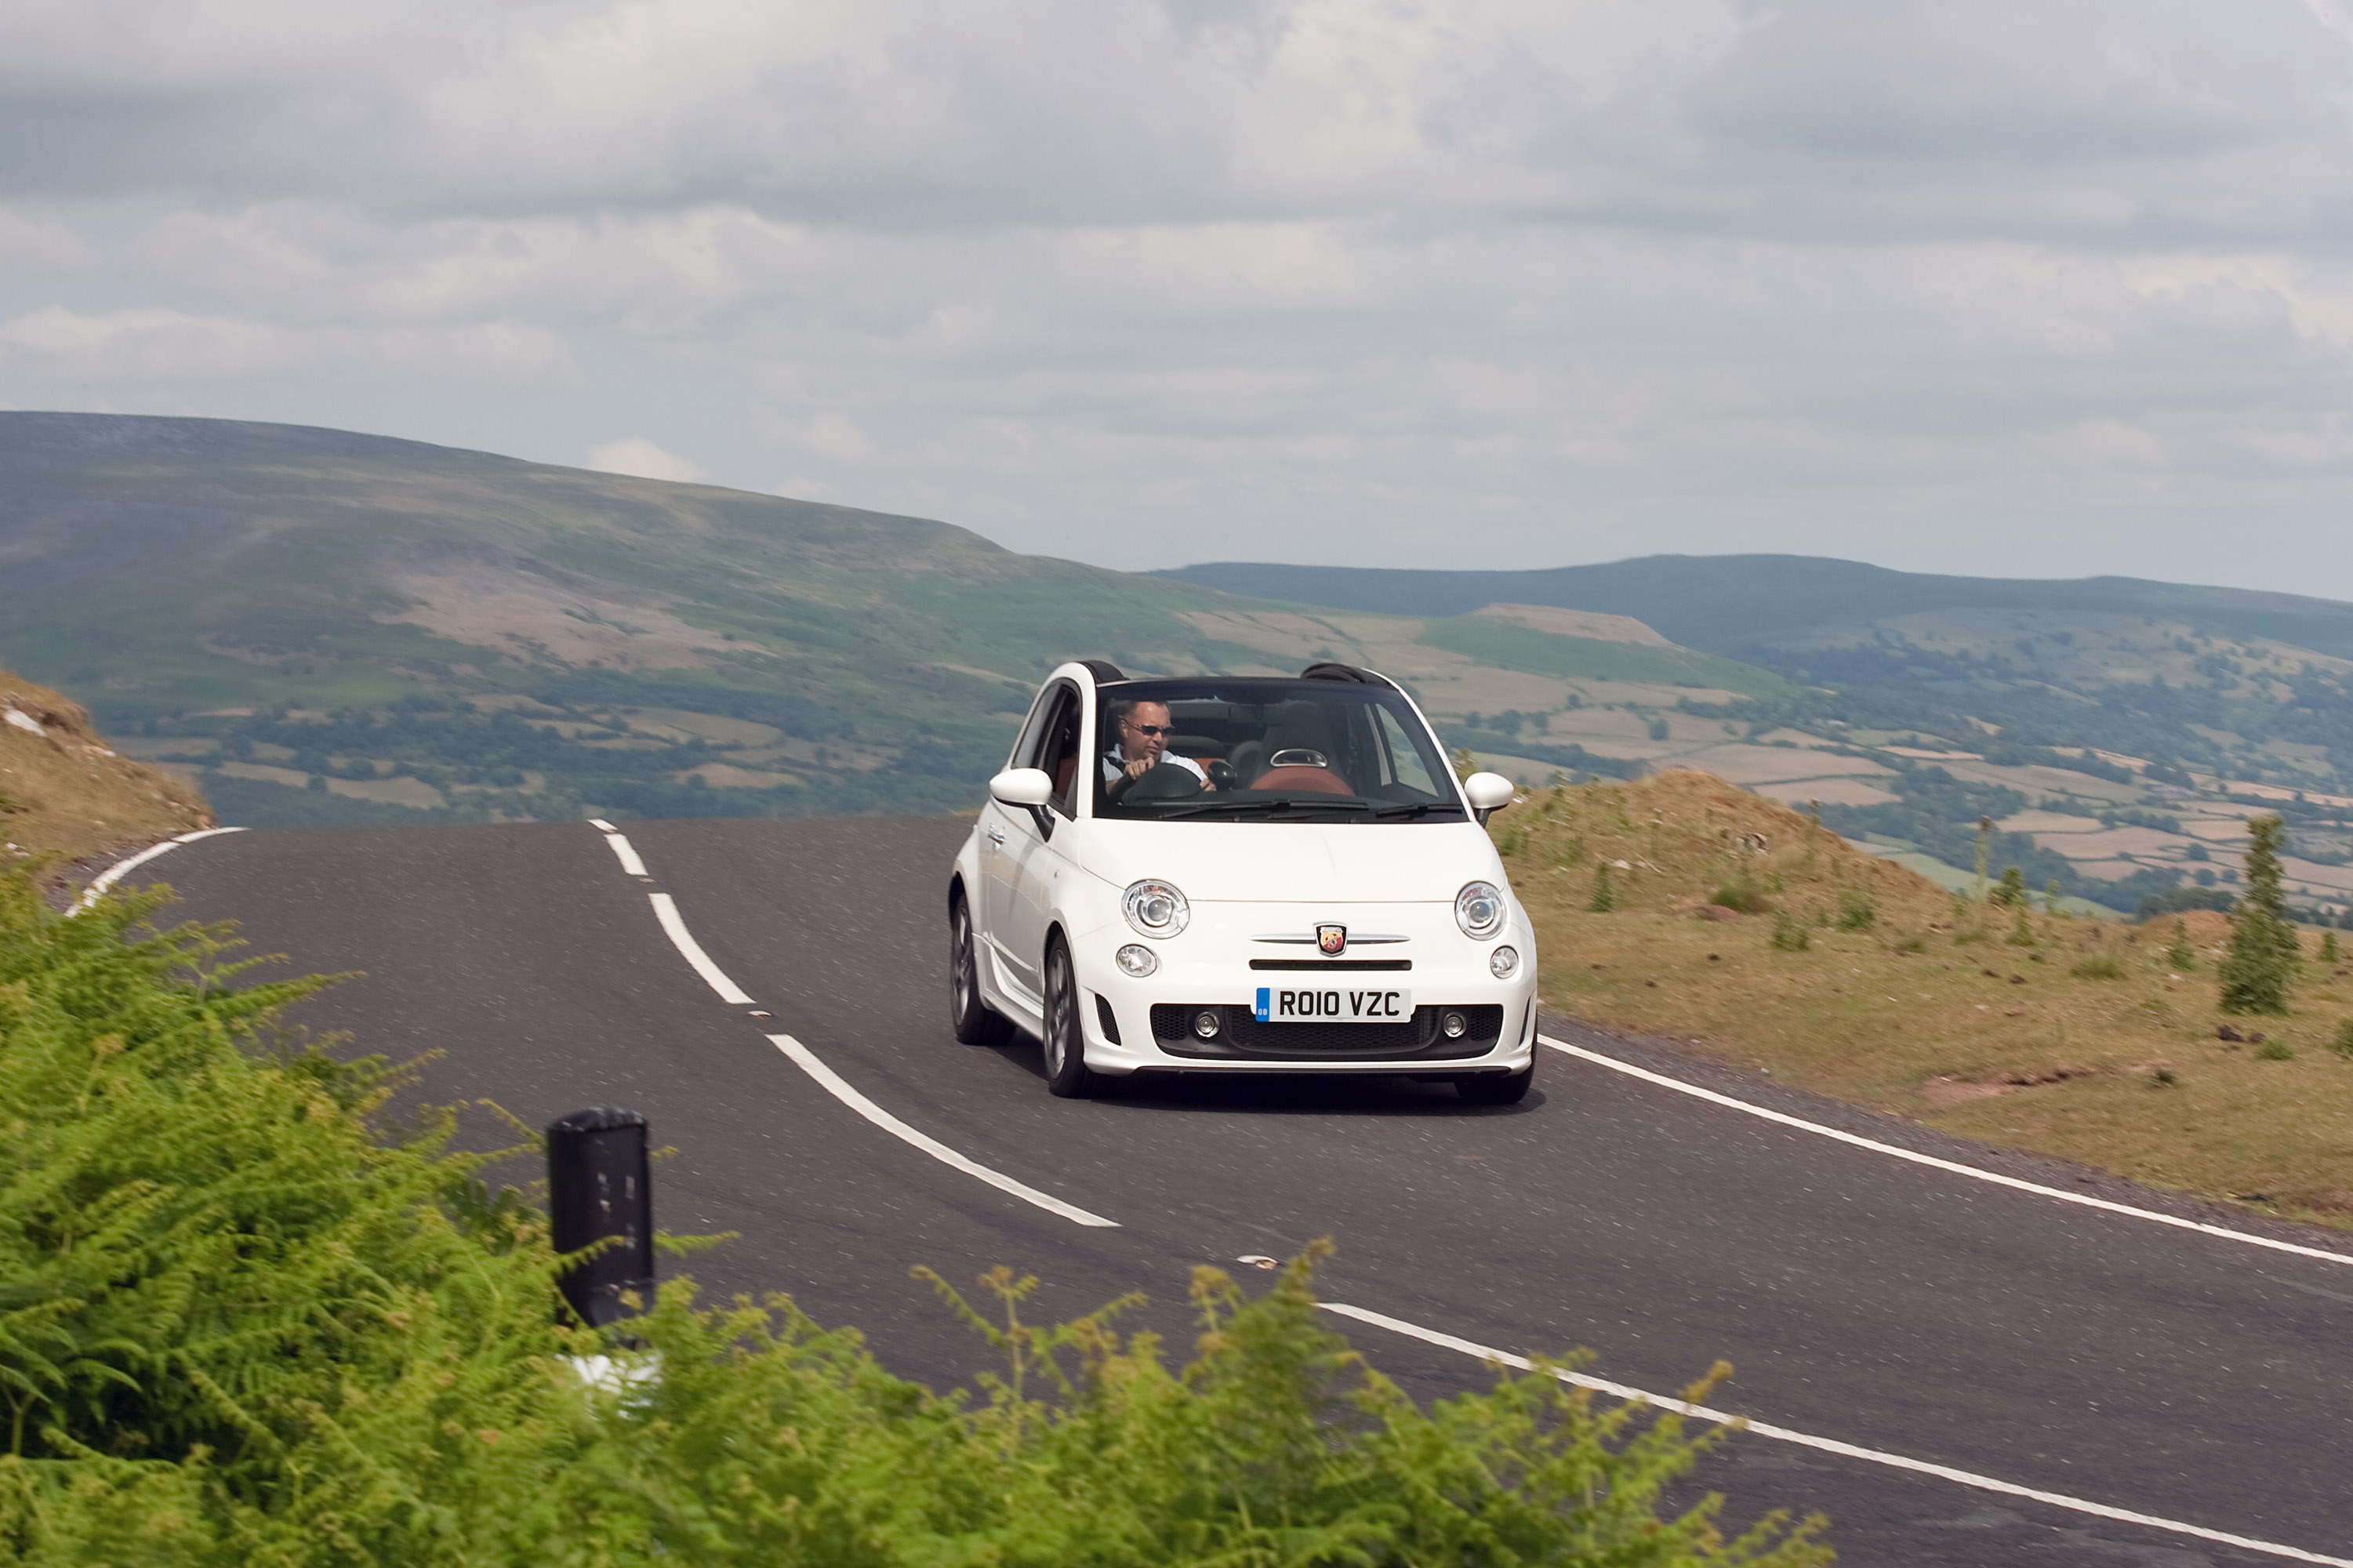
(1239, 1033)
(1331, 964)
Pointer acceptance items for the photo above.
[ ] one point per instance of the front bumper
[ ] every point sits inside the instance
(1135, 1024)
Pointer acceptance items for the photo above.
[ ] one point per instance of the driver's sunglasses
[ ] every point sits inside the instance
(1152, 728)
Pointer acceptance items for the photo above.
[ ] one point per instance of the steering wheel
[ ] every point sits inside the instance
(1162, 781)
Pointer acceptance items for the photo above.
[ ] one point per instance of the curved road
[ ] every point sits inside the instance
(1918, 1316)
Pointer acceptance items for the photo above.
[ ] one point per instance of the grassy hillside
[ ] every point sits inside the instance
(2116, 728)
(321, 626)
(65, 791)
(1848, 975)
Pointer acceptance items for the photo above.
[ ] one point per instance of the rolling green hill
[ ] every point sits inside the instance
(1947, 699)
(327, 628)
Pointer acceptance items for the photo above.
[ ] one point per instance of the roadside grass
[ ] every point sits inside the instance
(2087, 1041)
(64, 792)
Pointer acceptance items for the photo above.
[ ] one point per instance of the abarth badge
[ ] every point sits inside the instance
(1332, 939)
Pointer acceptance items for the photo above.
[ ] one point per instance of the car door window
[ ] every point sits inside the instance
(1404, 764)
(1059, 754)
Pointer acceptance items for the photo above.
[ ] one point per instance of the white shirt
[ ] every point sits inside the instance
(1114, 766)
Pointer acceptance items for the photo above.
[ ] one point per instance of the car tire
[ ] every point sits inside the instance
(975, 1022)
(1497, 1087)
(1066, 1073)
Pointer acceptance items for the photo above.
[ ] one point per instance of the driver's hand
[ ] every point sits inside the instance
(1139, 767)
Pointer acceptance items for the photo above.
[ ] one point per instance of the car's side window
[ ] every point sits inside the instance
(1405, 758)
(1059, 754)
(1035, 730)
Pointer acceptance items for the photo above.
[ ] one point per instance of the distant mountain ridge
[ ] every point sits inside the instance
(1732, 604)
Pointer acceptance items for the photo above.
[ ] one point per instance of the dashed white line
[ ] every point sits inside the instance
(602, 826)
(114, 873)
(666, 911)
(806, 1060)
(1953, 1166)
(1832, 1446)
(628, 852)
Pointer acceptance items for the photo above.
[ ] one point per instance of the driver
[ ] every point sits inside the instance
(1144, 729)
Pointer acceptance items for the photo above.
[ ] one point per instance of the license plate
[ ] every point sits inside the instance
(1332, 1005)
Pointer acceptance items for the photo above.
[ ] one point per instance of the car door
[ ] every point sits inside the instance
(1012, 836)
(1034, 857)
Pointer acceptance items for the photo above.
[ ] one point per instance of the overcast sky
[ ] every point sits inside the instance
(2025, 288)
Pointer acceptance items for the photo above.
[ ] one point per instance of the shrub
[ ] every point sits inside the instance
(1856, 911)
(239, 1329)
(2274, 1050)
(1742, 893)
(2264, 947)
(2022, 934)
(2328, 954)
(1789, 936)
(2012, 890)
(2343, 1042)
(2101, 966)
(2181, 955)
(1604, 898)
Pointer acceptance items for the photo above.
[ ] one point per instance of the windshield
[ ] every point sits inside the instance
(1214, 750)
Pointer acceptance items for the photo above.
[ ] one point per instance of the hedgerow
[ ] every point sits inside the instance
(242, 1321)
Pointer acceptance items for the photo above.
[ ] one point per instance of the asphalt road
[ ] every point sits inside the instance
(1896, 1308)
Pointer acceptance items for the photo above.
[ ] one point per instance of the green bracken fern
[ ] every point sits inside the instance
(239, 1324)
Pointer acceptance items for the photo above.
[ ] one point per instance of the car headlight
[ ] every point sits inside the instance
(1155, 907)
(1503, 962)
(1478, 910)
(1136, 961)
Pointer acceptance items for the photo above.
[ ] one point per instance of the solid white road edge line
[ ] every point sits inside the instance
(1996, 1177)
(1832, 1446)
(114, 873)
(602, 826)
(806, 1060)
(628, 853)
(666, 911)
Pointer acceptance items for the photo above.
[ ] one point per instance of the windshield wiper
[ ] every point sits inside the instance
(1225, 807)
(1417, 809)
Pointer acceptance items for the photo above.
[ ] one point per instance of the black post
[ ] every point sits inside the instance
(598, 1185)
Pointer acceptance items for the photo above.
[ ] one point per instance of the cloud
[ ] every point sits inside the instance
(636, 456)
(2006, 287)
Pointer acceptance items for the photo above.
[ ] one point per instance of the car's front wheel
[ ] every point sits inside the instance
(1066, 1073)
(1497, 1087)
(975, 1022)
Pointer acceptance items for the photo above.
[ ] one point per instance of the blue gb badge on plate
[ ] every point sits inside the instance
(1265, 993)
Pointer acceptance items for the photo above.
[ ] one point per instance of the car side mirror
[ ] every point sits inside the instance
(1487, 792)
(1021, 786)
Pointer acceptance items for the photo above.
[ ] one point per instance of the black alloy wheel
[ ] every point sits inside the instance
(974, 1021)
(1497, 1087)
(1066, 1073)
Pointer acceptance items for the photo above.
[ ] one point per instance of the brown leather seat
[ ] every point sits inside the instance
(1062, 771)
(1310, 781)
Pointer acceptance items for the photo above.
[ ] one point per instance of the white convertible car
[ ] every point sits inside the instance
(1241, 875)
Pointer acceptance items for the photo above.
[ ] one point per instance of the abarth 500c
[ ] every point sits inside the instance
(1239, 875)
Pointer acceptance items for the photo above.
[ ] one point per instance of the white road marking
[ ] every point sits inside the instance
(1832, 1446)
(602, 826)
(666, 911)
(806, 1060)
(114, 873)
(628, 853)
(1956, 1168)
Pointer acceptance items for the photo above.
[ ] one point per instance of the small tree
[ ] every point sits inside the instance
(2181, 955)
(2011, 893)
(2264, 948)
(1604, 898)
(2328, 947)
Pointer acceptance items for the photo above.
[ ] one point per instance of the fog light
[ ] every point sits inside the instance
(1454, 1024)
(1206, 1024)
(1136, 961)
(1503, 962)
